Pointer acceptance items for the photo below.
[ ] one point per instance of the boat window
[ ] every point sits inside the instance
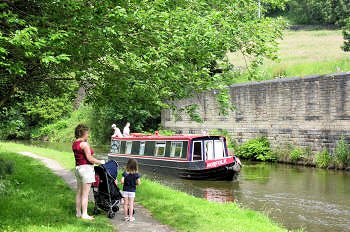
(142, 148)
(197, 151)
(135, 147)
(209, 151)
(128, 147)
(184, 150)
(160, 149)
(149, 148)
(219, 149)
(115, 146)
(176, 149)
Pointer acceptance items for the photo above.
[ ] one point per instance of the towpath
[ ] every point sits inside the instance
(144, 220)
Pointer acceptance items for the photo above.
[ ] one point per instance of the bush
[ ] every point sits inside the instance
(296, 154)
(332, 12)
(346, 35)
(6, 167)
(342, 153)
(255, 149)
(322, 159)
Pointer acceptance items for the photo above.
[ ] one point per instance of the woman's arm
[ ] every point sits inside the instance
(138, 181)
(86, 147)
(122, 180)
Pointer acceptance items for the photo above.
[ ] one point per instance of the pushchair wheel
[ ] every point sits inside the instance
(115, 208)
(110, 214)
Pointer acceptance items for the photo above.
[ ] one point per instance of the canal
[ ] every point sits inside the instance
(316, 200)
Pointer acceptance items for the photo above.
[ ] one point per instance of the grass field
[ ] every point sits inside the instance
(33, 199)
(303, 52)
(180, 210)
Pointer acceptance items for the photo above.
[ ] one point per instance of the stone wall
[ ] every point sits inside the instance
(309, 112)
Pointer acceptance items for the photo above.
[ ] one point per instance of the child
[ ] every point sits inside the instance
(130, 179)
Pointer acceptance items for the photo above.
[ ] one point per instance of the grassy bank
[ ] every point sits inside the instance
(187, 213)
(63, 130)
(301, 53)
(180, 210)
(34, 199)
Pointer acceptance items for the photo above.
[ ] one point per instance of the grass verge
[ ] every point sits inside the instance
(177, 209)
(187, 213)
(32, 198)
(66, 159)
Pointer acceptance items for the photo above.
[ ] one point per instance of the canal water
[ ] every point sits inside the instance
(316, 200)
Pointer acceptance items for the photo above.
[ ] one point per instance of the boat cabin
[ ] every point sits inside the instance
(183, 147)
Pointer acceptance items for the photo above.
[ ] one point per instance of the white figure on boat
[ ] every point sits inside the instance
(117, 132)
(126, 130)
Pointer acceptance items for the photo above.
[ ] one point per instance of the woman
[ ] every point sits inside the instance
(84, 170)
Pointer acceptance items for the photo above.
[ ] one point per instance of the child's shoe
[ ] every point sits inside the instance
(132, 219)
(126, 219)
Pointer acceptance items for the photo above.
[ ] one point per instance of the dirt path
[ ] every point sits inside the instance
(144, 220)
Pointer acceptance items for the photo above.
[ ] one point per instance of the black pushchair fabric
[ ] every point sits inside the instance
(107, 195)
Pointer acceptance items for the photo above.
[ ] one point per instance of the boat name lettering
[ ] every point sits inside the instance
(216, 163)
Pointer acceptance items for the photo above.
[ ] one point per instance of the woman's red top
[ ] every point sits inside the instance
(79, 154)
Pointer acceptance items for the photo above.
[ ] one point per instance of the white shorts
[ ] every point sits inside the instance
(85, 173)
(128, 194)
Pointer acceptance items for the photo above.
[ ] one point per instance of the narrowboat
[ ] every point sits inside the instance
(199, 157)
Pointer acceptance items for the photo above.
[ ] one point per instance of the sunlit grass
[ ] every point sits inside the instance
(34, 199)
(66, 159)
(188, 213)
(302, 53)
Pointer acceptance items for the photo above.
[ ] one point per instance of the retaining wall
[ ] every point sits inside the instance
(310, 112)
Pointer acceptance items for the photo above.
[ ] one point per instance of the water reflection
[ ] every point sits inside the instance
(217, 195)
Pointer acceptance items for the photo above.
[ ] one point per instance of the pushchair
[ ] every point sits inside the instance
(107, 195)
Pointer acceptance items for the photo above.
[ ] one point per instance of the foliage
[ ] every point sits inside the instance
(132, 57)
(342, 153)
(346, 34)
(291, 153)
(37, 200)
(323, 159)
(256, 149)
(63, 129)
(296, 154)
(162, 52)
(332, 12)
(33, 90)
(166, 132)
(6, 167)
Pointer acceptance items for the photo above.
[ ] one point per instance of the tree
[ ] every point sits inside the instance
(163, 51)
(134, 57)
(346, 34)
(32, 87)
(333, 12)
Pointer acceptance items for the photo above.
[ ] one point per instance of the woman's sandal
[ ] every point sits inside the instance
(87, 217)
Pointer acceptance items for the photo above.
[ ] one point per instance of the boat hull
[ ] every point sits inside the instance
(181, 169)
